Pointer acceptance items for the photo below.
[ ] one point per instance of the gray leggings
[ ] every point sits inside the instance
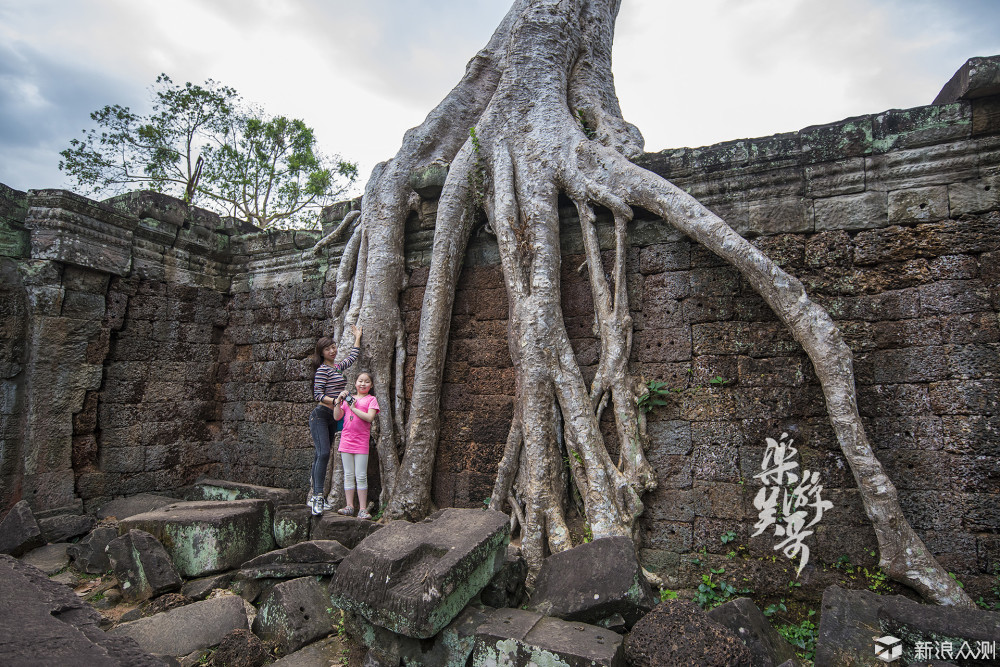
(355, 467)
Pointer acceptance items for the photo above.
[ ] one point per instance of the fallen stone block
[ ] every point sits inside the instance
(243, 648)
(654, 639)
(742, 617)
(186, 629)
(45, 623)
(520, 637)
(507, 588)
(209, 536)
(163, 603)
(49, 559)
(329, 651)
(449, 648)
(291, 524)
(65, 527)
(973, 632)
(848, 625)
(349, 531)
(19, 532)
(294, 613)
(89, 553)
(142, 566)
(199, 589)
(594, 583)
(414, 578)
(318, 558)
(220, 489)
(123, 508)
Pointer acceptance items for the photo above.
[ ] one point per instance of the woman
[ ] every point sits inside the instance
(360, 410)
(328, 383)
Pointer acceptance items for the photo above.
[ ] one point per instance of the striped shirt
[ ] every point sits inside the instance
(328, 380)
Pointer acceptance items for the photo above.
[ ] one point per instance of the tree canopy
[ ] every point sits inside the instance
(204, 144)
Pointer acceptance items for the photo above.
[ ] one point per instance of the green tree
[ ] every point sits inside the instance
(205, 145)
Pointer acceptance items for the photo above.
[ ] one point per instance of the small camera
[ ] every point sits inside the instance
(349, 400)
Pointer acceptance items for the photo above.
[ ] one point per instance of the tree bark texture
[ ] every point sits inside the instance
(535, 117)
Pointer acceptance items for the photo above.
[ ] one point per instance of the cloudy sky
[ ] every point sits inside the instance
(362, 72)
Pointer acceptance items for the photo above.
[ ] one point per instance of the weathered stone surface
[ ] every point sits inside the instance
(415, 578)
(181, 631)
(848, 622)
(518, 637)
(199, 589)
(742, 617)
(49, 559)
(89, 554)
(209, 536)
(293, 614)
(123, 508)
(429, 181)
(163, 603)
(978, 77)
(218, 489)
(19, 532)
(449, 648)
(329, 651)
(349, 531)
(913, 622)
(75, 230)
(677, 633)
(64, 527)
(242, 648)
(292, 525)
(45, 623)
(142, 566)
(593, 582)
(318, 558)
(507, 589)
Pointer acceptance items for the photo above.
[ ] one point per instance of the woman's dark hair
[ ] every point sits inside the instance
(321, 344)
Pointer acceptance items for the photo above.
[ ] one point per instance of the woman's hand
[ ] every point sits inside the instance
(356, 330)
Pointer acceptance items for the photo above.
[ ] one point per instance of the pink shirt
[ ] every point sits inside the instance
(354, 437)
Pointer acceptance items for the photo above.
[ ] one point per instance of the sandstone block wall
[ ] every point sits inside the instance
(144, 343)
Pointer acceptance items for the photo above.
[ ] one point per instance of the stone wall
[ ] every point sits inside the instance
(144, 343)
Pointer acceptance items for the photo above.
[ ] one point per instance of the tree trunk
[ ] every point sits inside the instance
(544, 118)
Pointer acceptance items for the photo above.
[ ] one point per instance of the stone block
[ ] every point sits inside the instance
(209, 536)
(89, 554)
(415, 578)
(45, 623)
(19, 531)
(123, 508)
(913, 622)
(142, 566)
(291, 524)
(975, 196)
(217, 489)
(867, 210)
(50, 558)
(75, 230)
(927, 204)
(594, 583)
(318, 558)
(939, 164)
(517, 637)
(186, 629)
(921, 126)
(842, 177)
(706, 642)
(293, 614)
(781, 216)
(742, 617)
(64, 527)
(978, 77)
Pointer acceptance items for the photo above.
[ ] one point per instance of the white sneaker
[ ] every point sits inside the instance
(327, 505)
(316, 505)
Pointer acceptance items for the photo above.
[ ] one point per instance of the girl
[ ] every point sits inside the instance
(360, 410)
(328, 383)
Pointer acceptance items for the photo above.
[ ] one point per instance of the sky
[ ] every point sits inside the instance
(362, 72)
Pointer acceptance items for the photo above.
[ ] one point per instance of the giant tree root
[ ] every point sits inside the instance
(545, 122)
